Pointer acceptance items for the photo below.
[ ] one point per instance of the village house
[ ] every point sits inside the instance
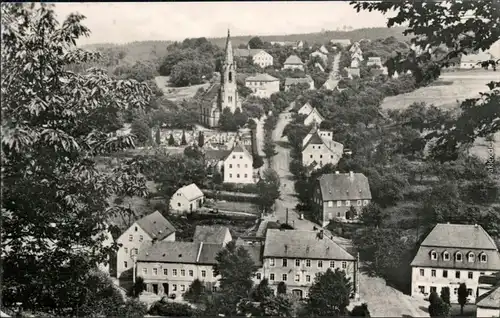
(331, 84)
(151, 227)
(259, 56)
(353, 72)
(296, 257)
(335, 194)
(374, 60)
(293, 44)
(222, 93)
(488, 300)
(319, 149)
(472, 61)
(289, 81)
(319, 54)
(323, 50)
(355, 48)
(263, 85)
(314, 117)
(238, 165)
(212, 234)
(306, 109)
(319, 66)
(450, 255)
(187, 199)
(293, 62)
(341, 42)
(357, 56)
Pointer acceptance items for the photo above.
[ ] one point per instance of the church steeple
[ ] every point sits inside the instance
(229, 49)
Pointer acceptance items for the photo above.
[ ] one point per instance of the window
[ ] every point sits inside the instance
(203, 273)
(332, 264)
(271, 276)
(455, 291)
(191, 274)
(230, 99)
(285, 262)
(457, 274)
(445, 273)
(483, 258)
(471, 257)
(330, 204)
(130, 238)
(174, 287)
(469, 291)
(433, 289)
(246, 175)
(347, 203)
(126, 250)
(365, 202)
(360, 202)
(214, 288)
(165, 271)
(259, 276)
(470, 275)
(284, 277)
(297, 262)
(297, 277)
(446, 256)
(308, 263)
(136, 228)
(155, 271)
(234, 157)
(344, 265)
(331, 157)
(320, 156)
(144, 270)
(320, 264)
(136, 251)
(230, 77)
(183, 272)
(237, 175)
(311, 156)
(174, 272)
(308, 278)
(230, 165)
(241, 157)
(458, 257)
(238, 165)
(433, 273)
(125, 264)
(339, 203)
(421, 289)
(422, 272)
(246, 165)
(271, 262)
(178, 204)
(434, 255)
(230, 175)
(183, 288)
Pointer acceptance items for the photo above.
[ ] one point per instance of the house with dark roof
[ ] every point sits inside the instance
(263, 85)
(453, 254)
(152, 227)
(296, 257)
(319, 147)
(212, 234)
(289, 81)
(188, 198)
(169, 267)
(488, 300)
(314, 118)
(259, 57)
(238, 165)
(293, 62)
(336, 194)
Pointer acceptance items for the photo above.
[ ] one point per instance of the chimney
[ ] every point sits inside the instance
(351, 174)
(337, 172)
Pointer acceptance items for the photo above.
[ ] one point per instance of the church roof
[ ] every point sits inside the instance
(210, 94)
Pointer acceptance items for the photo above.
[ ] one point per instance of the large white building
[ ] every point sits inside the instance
(238, 165)
(453, 254)
(259, 56)
(293, 62)
(263, 85)
(319, 149)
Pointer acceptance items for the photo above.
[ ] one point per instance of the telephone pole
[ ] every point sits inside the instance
(286, 216)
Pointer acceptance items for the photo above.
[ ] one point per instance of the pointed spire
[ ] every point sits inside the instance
(229, 49)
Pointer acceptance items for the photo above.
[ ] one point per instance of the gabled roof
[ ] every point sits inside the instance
(255, 250)
(247, 52)
(219, 154)
(191, 192)
(490, 299)
(344, 186)
(331, 83)
(294, 80)
(210, 95)
(210, 234)
(460, 236)
(315, 111)
(303, 244)
(238, 147)
(262, 78)
(293, 59)
(179, 252)
(323, 49)
(305, 106)
(156, 225)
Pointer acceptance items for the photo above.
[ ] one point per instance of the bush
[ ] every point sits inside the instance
(243, 188)
(171, 309)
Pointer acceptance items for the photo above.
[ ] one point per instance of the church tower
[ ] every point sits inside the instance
(229, 92)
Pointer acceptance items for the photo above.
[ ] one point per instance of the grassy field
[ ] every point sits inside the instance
(177, 93)
(237, 206)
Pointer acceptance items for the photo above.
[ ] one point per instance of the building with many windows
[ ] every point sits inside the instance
(238, 165)
(259, 56)
(263, 85)
(453, 254)
(319, 149)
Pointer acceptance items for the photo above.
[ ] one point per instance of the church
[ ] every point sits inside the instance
(222, 93)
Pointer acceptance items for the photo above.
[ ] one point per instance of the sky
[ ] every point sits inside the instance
(131, 21)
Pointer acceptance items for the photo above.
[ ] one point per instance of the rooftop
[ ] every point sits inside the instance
(191, 192)
(156, 225)
(262, 78)
(294, 59)
(210, 234)
(460, 236)
(179, 252)
(344, 186)
(490, 299)
(298, 80)
(246, 52)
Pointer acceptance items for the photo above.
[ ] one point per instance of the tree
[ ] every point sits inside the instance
(193, 152)
(269, 148)
(226, 120)
(54, 200)
(372, 215)
(262, 291)
(268, 190)
(171, 141)
(281, 289)
(462, 297)
(329, 294)
(437, 307)
(360, 311)
(183, 139)
(191, 72)
(257, 161)
(276, 306)
(171, 309)
(141, 130)
(138, 287)
(201, 139)
(256, 43)
(445, 294)
(195, 292)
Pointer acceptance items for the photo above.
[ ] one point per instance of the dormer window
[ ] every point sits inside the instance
(434, 255)
(458, 257)
(446, 256)
(483, 258)
(471, 257)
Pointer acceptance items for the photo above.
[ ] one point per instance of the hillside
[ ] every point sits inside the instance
(135, 51)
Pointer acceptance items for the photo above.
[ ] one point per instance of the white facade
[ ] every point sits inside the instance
(319, 54)
(263, 59)
(187, 199)
(306, 109)
(293, 67)
(487, 312)
(263, 89)
(313, 117)
(322, 154)
(238, 166)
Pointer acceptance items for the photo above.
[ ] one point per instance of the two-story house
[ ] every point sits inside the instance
(187, 199)
(306, 109)
(314, 118)
(293, 62)
(151, 227)
(335, 193)
(453, 254)
(212, 234)
(259, 56)
(263, 85)
(296, 257)
(238, 165)
(319, 149)
(289, 81)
